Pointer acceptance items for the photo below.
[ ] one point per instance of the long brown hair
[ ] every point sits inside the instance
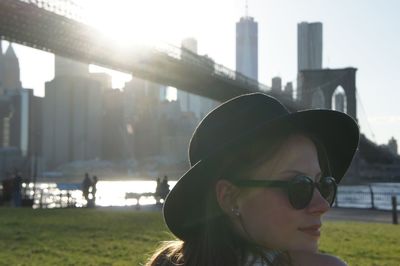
(217, 243)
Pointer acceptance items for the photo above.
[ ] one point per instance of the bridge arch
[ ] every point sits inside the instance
(339, 100)
(330, 82)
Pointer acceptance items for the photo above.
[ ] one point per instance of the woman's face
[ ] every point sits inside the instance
(267, 214)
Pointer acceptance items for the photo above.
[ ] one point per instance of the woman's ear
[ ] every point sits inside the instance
(227, 195)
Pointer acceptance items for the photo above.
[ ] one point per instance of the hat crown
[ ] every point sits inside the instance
(231, 120)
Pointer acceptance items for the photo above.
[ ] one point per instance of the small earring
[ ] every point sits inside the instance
(235, 211)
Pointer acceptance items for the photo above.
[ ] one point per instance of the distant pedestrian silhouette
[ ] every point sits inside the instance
(164, 188)
(157, 195)
(94, 189)
(16, 190)
(86, 183)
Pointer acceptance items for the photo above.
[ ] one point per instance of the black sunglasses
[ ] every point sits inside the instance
(300, 189)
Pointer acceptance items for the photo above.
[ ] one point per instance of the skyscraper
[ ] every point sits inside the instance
(21, 128)
(276, 84)
(309, 45)
(340, 102)
(392, 145)
(20, 118)
(247, 47)
(288, 90)
(11, 74)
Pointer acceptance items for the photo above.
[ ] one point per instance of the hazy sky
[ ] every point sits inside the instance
(359, 33)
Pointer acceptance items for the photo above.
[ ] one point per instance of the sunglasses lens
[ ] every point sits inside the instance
(327, 188)
(300, 192)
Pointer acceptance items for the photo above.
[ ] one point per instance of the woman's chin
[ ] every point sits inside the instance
(306, 247)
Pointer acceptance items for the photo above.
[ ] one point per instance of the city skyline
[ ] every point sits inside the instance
(348, 41)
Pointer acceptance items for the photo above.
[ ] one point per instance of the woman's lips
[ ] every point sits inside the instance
(313, 230)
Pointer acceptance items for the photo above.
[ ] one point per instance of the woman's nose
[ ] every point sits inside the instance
(318, 204)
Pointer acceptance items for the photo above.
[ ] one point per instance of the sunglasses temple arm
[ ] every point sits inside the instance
(261, 183)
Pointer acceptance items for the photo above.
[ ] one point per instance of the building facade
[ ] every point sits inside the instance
(309, 46)
(72, 116)
(20, 126)
(116, 144)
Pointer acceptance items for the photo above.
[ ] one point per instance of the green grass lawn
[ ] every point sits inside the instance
(127, 237)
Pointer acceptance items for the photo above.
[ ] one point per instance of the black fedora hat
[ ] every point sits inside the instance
(239, 121)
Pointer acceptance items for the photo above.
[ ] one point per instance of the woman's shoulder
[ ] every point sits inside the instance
(302, 258)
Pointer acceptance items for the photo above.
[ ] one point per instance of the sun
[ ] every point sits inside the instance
(152, 23)
(157, 23)
(115, 19)
(137, 22)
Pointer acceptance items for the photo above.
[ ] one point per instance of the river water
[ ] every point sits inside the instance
(113, 193)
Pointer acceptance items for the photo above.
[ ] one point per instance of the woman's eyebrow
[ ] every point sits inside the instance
(297, 172)
(290, 173)
(293, 172)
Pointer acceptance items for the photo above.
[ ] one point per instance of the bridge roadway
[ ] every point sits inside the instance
(26, 23)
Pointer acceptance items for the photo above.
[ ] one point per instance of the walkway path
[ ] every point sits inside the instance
(360, 215)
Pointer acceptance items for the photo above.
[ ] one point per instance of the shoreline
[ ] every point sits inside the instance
(74, 180)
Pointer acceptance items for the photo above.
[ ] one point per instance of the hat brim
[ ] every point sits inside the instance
(338, 133)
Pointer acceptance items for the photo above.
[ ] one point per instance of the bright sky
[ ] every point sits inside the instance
(359, 33)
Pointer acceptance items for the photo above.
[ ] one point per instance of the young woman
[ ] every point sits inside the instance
(260, 180)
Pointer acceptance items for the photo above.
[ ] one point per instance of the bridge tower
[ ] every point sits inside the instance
(320, 89)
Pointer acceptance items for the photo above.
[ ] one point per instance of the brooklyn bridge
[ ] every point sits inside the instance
(58, 28)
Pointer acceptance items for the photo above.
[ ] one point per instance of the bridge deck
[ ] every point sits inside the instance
(26, 23)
